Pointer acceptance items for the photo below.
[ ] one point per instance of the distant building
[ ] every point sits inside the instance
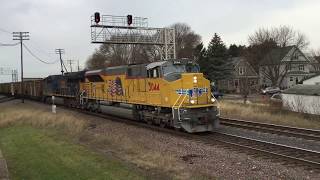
(289, 62)
(313, 80)
(244, 77)
(314, 64)
(302, 98)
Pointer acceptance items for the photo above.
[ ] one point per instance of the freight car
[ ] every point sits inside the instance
(170, 93)
(33, 88)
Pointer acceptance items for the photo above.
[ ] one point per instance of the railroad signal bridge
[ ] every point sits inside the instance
(109, 29)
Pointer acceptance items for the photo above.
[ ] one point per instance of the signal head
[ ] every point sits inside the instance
(129, 19)
(97, 17)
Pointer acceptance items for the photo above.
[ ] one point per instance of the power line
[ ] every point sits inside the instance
(33, 55)
(6, 44)
(5, 31)
(38, 48)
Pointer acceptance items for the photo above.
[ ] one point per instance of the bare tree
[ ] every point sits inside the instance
(264, 41)
(283, 36)
(120, 54)
(316, 55)
(186, 40)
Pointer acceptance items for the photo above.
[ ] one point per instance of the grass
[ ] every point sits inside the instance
(41, 154)
(40, 145)
(268, 114)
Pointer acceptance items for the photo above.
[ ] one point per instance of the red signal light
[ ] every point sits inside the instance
(97, 17)
(129, 19)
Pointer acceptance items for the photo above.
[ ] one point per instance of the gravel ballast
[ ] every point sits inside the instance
(180, 157)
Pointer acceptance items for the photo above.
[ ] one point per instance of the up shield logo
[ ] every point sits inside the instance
(192, 92)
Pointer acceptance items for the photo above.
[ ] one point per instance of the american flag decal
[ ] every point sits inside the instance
(115, 87)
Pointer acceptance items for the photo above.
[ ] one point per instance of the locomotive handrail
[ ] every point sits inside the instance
(216, 100)
(175, 105)
(181, 105)
(178, 107)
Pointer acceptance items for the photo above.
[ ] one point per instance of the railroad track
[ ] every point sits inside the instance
(288, 154)
(283, 153)
(307, 134)
(5, 99)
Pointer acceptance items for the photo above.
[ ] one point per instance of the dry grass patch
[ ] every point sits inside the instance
(268, 114)
(135, 150)
(19, 114)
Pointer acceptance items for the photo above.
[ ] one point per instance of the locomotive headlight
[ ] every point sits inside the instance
(213, 99)
(195, 79)
(192, 101)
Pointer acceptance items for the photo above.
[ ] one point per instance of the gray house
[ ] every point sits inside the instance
(243, 77)
(285, 66)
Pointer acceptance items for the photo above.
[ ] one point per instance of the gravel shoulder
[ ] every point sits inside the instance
(180, 158)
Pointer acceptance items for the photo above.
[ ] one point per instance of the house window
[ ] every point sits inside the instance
(301, 67)
(288, 67)
(241, 70)
(236, 83)
(291, 78)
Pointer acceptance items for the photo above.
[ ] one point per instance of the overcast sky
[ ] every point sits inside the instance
(66, 24)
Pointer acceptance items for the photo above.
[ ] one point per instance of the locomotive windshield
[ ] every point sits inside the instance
(180, 68)
(173, 72)
(172, 68)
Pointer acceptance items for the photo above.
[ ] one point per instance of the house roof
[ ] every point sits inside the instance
(276, 55)
(235, 61)
(302, 89)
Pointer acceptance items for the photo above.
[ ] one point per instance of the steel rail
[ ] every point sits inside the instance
(308, 134)
(308, 158)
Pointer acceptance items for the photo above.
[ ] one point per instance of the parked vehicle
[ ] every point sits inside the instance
(216, 93)
(276, 97)
(276, 100)
(270, 90)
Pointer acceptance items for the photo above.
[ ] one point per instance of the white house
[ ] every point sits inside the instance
(290, 63)
(302, 98)
(313, 80)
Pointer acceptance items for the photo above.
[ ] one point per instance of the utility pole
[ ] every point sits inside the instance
(21, 36)
(60, 51)
(78, 66)
(70, 62)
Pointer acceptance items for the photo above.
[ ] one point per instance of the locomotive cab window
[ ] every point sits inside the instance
(154, 73)
(192, 68)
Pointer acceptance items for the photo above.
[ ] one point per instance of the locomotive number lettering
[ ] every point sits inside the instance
(153, 86)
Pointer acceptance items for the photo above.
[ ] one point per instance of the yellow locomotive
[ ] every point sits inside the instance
(169, 93)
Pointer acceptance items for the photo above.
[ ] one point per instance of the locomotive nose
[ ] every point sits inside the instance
(197, 88)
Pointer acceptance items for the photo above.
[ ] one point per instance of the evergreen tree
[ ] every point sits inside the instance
(216, 47)
(216, 64)
(235, 51)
